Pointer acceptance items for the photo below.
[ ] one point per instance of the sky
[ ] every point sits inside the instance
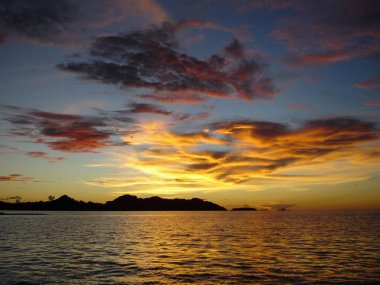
(243, 103)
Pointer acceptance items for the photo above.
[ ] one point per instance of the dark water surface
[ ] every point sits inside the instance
(191, 248)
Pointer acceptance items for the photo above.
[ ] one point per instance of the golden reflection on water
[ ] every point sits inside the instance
(191, 247)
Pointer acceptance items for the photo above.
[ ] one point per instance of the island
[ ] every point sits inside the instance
(244, 209)
(122, 203)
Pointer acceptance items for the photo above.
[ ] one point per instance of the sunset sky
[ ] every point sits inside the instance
(243, 103)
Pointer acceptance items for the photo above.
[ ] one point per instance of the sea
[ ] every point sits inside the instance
(262, 247)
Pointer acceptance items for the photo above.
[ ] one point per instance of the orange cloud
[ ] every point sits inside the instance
(251, 155)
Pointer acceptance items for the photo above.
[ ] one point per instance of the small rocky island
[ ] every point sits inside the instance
(244, 209)
(122, 203)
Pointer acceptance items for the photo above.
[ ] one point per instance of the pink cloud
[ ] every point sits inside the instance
(370, 83)
(16, 178)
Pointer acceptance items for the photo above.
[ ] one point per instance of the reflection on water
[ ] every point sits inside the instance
(190, 247)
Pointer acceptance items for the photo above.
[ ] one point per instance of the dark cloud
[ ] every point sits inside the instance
(276, 207)
(176, 98)
(148, 108)
(202, 166)
(41, 20)
(340, 132)
(66, 22)
(152, 59)
(142, 108)
(261, 129)
(235, 49)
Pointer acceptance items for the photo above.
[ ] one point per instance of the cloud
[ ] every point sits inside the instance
(34, 154)
(16, 178)
(67, 22)
(370, 83)
(317, 58)
(3, 39)
(276, 207)
(372, 103)
(66, 132)
(301, 106)
(186, 98)
(148, 108)
(323, 32)
(44, 155)
(235, 49)
(16, 198)
(143, 108)
(79, 133)
(250, 154)
(152, 59)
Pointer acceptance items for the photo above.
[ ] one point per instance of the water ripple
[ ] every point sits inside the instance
(190, 247)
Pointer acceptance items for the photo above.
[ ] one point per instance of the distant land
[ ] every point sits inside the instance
(244, 209)
(122, 203)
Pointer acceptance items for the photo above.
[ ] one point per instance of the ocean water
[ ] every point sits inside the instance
(191, 248)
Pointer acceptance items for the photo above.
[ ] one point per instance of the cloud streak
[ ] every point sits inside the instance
(370, 83)
(65, 132)
(143, 108)
(323, 32)
(80, 133)
(43, 155)
(16, 178)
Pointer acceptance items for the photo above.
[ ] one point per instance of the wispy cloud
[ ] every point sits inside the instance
(44, 155)
(322, 32)
(374, 103)
(16, 178)
(370, 83)
(143, 108)
(301, 106)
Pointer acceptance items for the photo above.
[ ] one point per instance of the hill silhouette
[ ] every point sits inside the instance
(122, 203)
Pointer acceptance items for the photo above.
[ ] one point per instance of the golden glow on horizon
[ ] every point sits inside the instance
(161, 161)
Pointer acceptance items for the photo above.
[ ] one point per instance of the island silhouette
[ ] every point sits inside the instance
(244, 209)
(122, 203)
